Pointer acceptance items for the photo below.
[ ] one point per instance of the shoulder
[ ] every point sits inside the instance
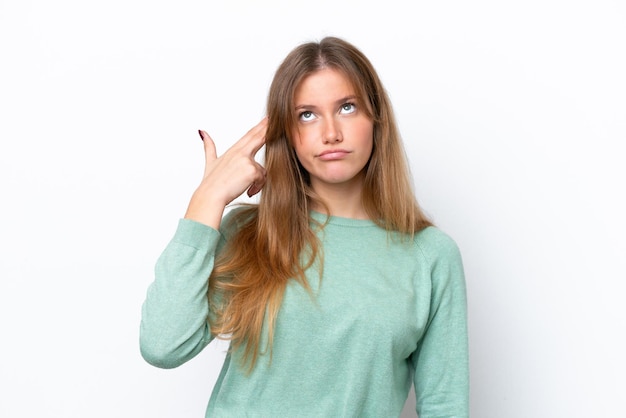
(237, 218)
(443, 258)
(441, 254)
(437, 246)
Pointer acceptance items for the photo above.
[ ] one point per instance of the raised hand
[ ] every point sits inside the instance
(228, 176)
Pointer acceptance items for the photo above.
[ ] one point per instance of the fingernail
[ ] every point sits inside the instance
(252, 190)
(200, 133)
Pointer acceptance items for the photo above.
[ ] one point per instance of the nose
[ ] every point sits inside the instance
(332, 132)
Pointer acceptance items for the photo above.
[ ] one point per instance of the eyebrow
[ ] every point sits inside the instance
(337, 102)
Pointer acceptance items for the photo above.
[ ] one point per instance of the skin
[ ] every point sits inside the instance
(227, 177)
(333, 140)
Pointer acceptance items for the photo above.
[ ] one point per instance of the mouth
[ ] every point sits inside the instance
(333, 154)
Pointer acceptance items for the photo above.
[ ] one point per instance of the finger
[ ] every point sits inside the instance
(252, 190)
(254, 139)
(209, 145)
(258, 183)
(210, 153)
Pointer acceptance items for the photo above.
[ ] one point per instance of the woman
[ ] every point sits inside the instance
(336, 291)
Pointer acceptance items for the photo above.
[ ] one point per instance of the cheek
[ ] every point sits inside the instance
(300, 142)
(366, 135)
(296, 142)
(296, 139)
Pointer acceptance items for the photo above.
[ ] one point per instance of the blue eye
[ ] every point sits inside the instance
(348, 108)
(306, 115)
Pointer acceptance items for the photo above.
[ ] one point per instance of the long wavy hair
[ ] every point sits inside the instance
(275, 241)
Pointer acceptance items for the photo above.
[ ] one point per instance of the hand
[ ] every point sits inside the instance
(227, 177)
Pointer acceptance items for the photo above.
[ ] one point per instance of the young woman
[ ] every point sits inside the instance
(335, 291)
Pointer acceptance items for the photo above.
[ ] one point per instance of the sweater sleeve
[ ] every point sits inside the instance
(174, 315)
(441, 361)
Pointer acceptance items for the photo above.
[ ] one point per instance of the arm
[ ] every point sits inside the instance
(441, 359)
(174, 325)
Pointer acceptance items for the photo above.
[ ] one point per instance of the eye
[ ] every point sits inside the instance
(306, 115)
(348, 108)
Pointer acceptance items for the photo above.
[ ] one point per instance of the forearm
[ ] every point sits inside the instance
(174, 325)
(441, 361)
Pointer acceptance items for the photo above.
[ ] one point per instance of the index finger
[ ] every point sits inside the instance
(254, 139)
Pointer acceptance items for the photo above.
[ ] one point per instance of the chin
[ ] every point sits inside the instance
(338, 179)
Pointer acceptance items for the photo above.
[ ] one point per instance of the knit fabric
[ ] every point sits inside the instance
(386, 313)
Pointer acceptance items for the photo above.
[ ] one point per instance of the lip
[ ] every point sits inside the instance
(333, 154)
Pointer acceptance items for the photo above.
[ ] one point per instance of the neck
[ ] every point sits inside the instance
(343, 200)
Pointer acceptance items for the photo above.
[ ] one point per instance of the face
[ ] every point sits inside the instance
(333, 137)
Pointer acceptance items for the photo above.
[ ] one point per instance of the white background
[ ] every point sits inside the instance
(513, 114)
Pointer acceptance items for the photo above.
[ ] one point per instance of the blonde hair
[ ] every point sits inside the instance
(274, 241)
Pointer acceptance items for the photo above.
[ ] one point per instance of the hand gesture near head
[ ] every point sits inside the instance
(228, 176)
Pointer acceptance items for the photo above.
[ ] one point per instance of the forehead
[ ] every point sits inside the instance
(327, 84)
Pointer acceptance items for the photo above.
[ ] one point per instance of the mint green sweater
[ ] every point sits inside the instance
(387, 313)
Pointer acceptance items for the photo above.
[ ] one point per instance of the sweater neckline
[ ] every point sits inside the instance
(341, 221)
